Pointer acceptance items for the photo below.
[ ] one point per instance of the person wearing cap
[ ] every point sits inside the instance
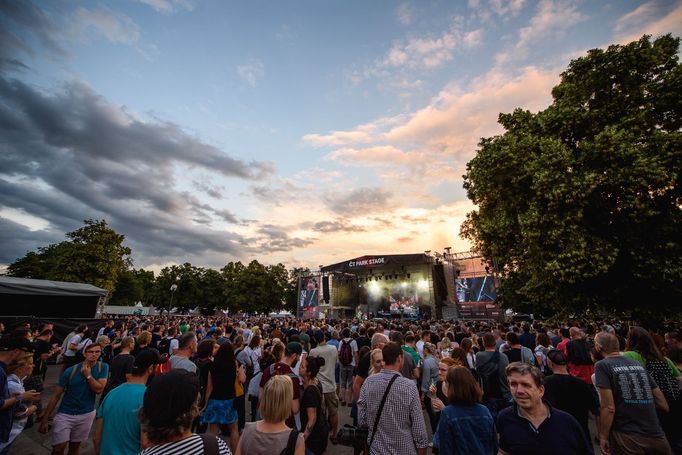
(117, 429)
(168, 409)
(569, 393)
(292, 353)
(79, 384)
(11, 350)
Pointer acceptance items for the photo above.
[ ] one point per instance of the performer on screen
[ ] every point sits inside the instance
(310, 294)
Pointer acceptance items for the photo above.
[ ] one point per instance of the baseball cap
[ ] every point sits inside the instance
(557, 357)
(12, 343)
(294, 347)
(144, 359)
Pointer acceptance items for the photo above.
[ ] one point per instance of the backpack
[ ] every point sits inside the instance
(164, 345)
(490, 381)
(77, 367)
(345, 353)
(660, 372)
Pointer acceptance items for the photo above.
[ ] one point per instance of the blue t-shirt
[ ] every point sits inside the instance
(78, 396)
(121, 429)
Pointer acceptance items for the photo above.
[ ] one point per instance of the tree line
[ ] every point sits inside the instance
(95, 254)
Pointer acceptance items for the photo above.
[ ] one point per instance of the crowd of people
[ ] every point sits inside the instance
(200, 385)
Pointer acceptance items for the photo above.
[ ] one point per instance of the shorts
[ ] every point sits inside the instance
(219, 411)
(71, 428)
(346, 376)
(631, 443)
(331, 401)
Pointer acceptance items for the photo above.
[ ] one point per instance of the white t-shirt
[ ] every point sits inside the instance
(353, 347)
(174, 344)
(76, 339)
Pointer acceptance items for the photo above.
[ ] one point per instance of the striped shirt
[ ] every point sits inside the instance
(188, 446)
(401, 427)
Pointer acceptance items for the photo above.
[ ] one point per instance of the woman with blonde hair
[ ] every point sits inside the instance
(444, 347)
(16, 372)
(271, 435)
(376, 360)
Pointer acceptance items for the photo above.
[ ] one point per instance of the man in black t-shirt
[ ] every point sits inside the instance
(569, 393)
(43, 351)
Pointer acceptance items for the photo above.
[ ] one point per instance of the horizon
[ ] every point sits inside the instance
(302, 134)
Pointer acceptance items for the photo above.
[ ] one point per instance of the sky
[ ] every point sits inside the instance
(301, 132)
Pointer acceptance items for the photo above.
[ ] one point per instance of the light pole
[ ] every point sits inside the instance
(173, 289)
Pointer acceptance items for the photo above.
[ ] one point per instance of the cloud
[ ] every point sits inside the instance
(416, 54)
(70, 155)
(361, 134)
(551, 18)
(337, 225)
(276, 238)
(277, 193)
(359, 200)
(21, 22)
(405, 13)
(215, 192)
(443, 134)
(251, 72)
(484, 10)
(456, 118)
(116, 27)
(18, 239)
(653, 18)
(381, 155)
(169, 6)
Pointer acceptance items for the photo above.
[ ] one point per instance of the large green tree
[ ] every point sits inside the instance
(93, 254)
(254, 287)
(580, 204)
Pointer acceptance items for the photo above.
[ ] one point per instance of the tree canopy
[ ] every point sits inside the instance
(580, 204)
(94, 254)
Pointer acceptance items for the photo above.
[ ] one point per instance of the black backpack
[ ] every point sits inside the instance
(489, 377)
(164, 345)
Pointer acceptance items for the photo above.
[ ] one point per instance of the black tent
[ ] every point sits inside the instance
(43, 298)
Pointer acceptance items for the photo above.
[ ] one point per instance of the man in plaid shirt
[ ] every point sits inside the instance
(401, 429)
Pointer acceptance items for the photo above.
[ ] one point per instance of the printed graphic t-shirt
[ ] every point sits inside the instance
(632, 391)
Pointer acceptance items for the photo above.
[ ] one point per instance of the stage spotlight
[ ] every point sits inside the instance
(404, 284)
(374, 287)
(423, 285)
(408, 276)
